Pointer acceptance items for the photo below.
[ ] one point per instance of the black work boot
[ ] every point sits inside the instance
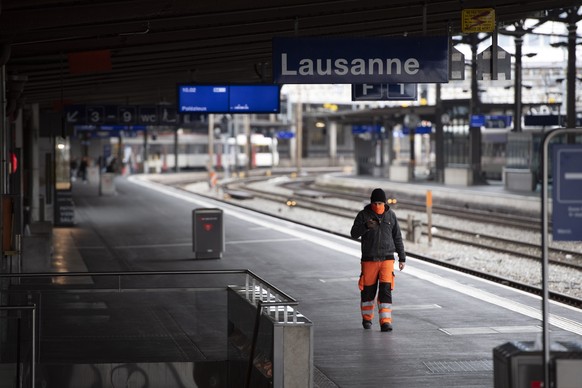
(367, 324)
(386, 327)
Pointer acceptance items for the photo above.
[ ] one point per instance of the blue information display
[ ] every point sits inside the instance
(490, 121)
(254, 99)
(419, 130)
(229, 98)
(203, 98)
(567, 193)
(372, 128)
(384, 92)
(285, 135)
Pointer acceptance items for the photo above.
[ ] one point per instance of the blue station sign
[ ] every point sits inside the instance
(370, 128)
(421, 129)
(567, 193)
(490, 121)
(284, 135)
(355, 60)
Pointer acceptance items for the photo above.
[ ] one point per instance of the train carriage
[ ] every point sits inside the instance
(193, 151)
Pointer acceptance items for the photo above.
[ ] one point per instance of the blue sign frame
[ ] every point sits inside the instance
(130, 115)
(285, 135)
(490, 121)
(358, 60)
(203, 98)
(567, 192)
(366, 128)
(243, 98)
(254, 99)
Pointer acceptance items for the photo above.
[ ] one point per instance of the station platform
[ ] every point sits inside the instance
(446, 324)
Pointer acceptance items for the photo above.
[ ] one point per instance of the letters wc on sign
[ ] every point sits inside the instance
(346, 60)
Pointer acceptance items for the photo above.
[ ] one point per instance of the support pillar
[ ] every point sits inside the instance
(332, 139)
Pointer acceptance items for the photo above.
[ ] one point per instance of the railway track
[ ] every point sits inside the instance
(523, 249)
(508, 246)
(304, 197)
(510, 220)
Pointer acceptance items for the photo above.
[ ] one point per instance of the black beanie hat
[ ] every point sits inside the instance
(378, 195)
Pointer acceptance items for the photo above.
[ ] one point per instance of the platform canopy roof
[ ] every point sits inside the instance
(136, 51)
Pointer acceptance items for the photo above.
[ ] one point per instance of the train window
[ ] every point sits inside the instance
(193, 148)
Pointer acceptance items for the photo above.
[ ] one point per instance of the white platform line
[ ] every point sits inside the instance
(188, 244)
(328, 242)
(556, 320)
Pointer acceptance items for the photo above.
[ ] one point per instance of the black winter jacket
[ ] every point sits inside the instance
(380, 242)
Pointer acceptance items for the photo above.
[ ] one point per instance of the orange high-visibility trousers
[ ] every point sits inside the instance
(377, 276)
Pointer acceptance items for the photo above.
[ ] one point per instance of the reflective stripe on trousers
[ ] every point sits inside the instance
(368, 310)
(384, 311)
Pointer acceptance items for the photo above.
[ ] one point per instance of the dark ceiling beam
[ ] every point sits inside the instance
(156, 43)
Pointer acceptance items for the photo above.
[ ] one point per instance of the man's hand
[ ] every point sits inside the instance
(372, 223)
(401, 265)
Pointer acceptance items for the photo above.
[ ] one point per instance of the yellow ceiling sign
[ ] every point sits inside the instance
(478, 20)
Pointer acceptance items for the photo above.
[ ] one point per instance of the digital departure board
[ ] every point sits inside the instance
(203, 98)
(229, 98)
(254, 99)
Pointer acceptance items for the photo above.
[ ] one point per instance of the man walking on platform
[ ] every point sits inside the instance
(380, 236)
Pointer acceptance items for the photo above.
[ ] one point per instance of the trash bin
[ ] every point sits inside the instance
(207, 233)
(519, 364)
(107, 184)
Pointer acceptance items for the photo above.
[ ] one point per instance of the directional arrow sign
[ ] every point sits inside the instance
(75, 114)
(72, 117)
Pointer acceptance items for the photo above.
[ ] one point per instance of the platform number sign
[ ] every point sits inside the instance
(385, 92)
(567, 193)
(95, 114)
(126, 114)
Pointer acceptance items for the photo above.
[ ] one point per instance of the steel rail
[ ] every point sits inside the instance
(528, 288)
